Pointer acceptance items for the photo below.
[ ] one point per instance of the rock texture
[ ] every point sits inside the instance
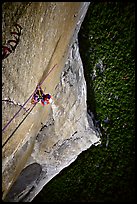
(51, 137)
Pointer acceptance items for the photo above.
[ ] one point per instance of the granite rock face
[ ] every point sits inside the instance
(50, 137)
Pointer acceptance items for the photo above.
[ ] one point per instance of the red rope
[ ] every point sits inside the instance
(28, 98)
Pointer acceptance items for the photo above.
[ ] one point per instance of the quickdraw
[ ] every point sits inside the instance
(12, 44)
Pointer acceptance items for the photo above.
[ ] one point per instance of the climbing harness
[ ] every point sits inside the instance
(28, 98)
(38, 95)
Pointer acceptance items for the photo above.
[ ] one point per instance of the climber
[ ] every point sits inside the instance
(39, 96)
(46, 99)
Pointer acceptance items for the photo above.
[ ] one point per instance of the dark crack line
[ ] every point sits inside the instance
(16, 104)
(47, 124)
(68, 139)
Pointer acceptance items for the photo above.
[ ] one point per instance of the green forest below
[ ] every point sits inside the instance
(105, 172)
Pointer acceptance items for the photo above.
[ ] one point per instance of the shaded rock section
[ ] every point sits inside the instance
(25, 182)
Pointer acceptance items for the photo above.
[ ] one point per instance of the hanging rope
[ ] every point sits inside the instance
(28, 99)
(18, 126)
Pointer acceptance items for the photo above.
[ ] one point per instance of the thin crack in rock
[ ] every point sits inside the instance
(14, 103)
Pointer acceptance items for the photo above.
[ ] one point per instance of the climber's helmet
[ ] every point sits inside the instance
(47, 96)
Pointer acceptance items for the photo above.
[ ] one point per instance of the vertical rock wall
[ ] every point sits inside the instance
(50, 137)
